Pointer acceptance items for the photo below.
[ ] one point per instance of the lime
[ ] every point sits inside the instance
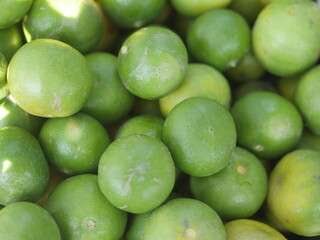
(309, 140)
(143, 124)
(75, 22)
(184, 219)
(220, 37)
(49, 78)
(247, 229)
(27, 221)
(201, 136)
(133, 14)
(152, 62)
(280, 28)
(3, 70)
(249, 9)
(83, 213)
(136, 173)
(24, 172)
(267, 124)
(238, 190)
(293, 196)
(74, 144)
(13, 11)
(143, 106)
(194, 8)
(109, 100)
(200, 80)
(306, 97)
(287, 86)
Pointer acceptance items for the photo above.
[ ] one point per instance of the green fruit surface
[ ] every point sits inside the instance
(11, 39)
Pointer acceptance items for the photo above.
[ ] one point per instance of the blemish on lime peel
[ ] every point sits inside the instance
(190, 234)
(241, 169)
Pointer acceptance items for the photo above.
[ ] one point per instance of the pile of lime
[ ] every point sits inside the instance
(159, 120)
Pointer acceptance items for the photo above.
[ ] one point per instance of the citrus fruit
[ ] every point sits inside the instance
(194, 8)
(152, 62)
(306, 97)
(13, 11)
(143, 106)
(309, 140)
(249, 9)
(27, 221)
(143, 124)
(109, 100)
(293, 196)
(75, 22)
(286, 86)
(24, 173)
(238, 190)
(133, 14)
(83, 213)
(248, 229)
(136, 173)
(267, 124)
(201, 136)
(12, 115)
(3, 70)
(74, 144)
(200, 80)
(220, 37)
(49, 78)
(184, 219)
(280, 28)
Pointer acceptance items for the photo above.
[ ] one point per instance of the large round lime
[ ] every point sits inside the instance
(201, 136)
(49, 78)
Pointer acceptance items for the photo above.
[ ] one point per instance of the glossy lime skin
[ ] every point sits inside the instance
(24, 170)
(184, 219)
(110, 100)
(75, 22)
(74, 144)
(201, 136)
(13, 11)
(194, 8)
(307, 97)
(27, 221)
(238, 190)
(11, 39)
(152, 62)
(220, 38)
(83, 213)
(293, 196)
(133, 14)
(201, 80)
(3, 70)
(267, 124)
(143, 124)
(49, 78)
(280, 28)
(247, 229)
(136, 173)
(12, 115)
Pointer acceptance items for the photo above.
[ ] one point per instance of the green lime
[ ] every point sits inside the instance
(249, 9)
(13, 11)
(279, 29)
(293, 196)
(309, 140)
(12, 115)
(27, 221)
(248, 229)
(267, 124)
(201, 136)
(136, 173)
(49, 78)
(3, 70)
(184, 219)
(83, 213)
(306, 97)
(238, 190)
(109, 100)
(220, 37)
(133, 14)
(75, 22)
(152, 62)
(194, 8)
(143, 124)
(200, 81)
(74, 144)
(24, 173)
(11, 39)
(287, 86)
